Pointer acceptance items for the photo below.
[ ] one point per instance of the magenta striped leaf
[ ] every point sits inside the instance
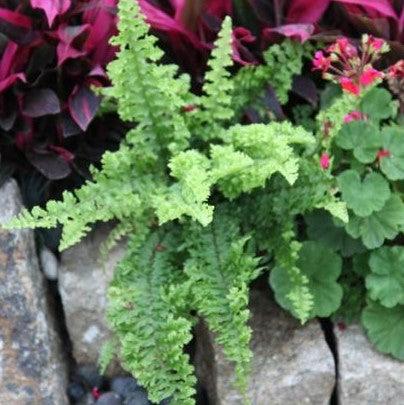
(52, 8)
(83, 105)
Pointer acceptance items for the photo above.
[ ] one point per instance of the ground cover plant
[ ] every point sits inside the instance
(209, 202)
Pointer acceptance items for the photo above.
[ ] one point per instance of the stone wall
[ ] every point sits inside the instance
(292, 364)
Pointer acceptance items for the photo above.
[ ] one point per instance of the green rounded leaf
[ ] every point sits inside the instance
(381, 225)
(378, 104)
(393, 141)
(364, 197)
(386, 282)
(322, 268)
(385, 328)
(321, 228)
(362, 137)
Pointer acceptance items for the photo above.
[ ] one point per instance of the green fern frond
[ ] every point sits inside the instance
(282, 62)
(266, 150)
(188, 196)
(286, 257)
(149, 93)
(220, 272)
(151, 334)
(110, 195)
(218, 85)
(107, 354)
(330, 120)
(253, 154)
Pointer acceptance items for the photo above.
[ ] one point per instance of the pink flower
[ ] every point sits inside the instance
(349, 86)
(383, 153)
(325, 161)
(376, 44)
(95, 392)
(354, 116)
(369, 75)
(397, 70)
(343, 47)
(320, 62)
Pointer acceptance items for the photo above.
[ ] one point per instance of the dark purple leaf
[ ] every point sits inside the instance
(15, 26)
(300, 32)
(50, 164)
(68, 126)
(83, 105)
(14, 18)
(7, 118)
(102, 20)
(252, 115)
(10, 80)
(8, 59)
(272, 103)
(67, 36)
(52, 8)
(42, 60)
(384, 7)
(40, 102)
(305, 88)
(306, 11)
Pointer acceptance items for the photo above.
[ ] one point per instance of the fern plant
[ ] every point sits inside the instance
(198, 195)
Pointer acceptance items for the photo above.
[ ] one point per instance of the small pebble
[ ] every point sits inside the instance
(109, 398)
(89, 376)
(139, 397)
(86, 400)
(49, 264)
(75, 391)
(124, 386)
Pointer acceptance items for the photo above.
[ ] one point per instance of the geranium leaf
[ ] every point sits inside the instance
(322, 268)
(385, 327)
(321, 228)
(361, 137)
(381, 225)
(378, 104)
(363, 197)
(386, 282)
(392, 165)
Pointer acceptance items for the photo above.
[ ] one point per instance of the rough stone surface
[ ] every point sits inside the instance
(291, 364)
(365, 375)
(49, 264)
(83, 283)
(32, 368)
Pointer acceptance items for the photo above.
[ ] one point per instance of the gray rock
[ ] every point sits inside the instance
(83, 283)
(291, 364)
(124, 386)
(139, 397)
(109, 398)
(89, 376)
(32, 366)
(367, 377)
(49, 264)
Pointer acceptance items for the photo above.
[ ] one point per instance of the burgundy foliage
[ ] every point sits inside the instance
(52, 53)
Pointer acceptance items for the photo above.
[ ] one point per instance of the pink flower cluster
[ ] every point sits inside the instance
(351, 67)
